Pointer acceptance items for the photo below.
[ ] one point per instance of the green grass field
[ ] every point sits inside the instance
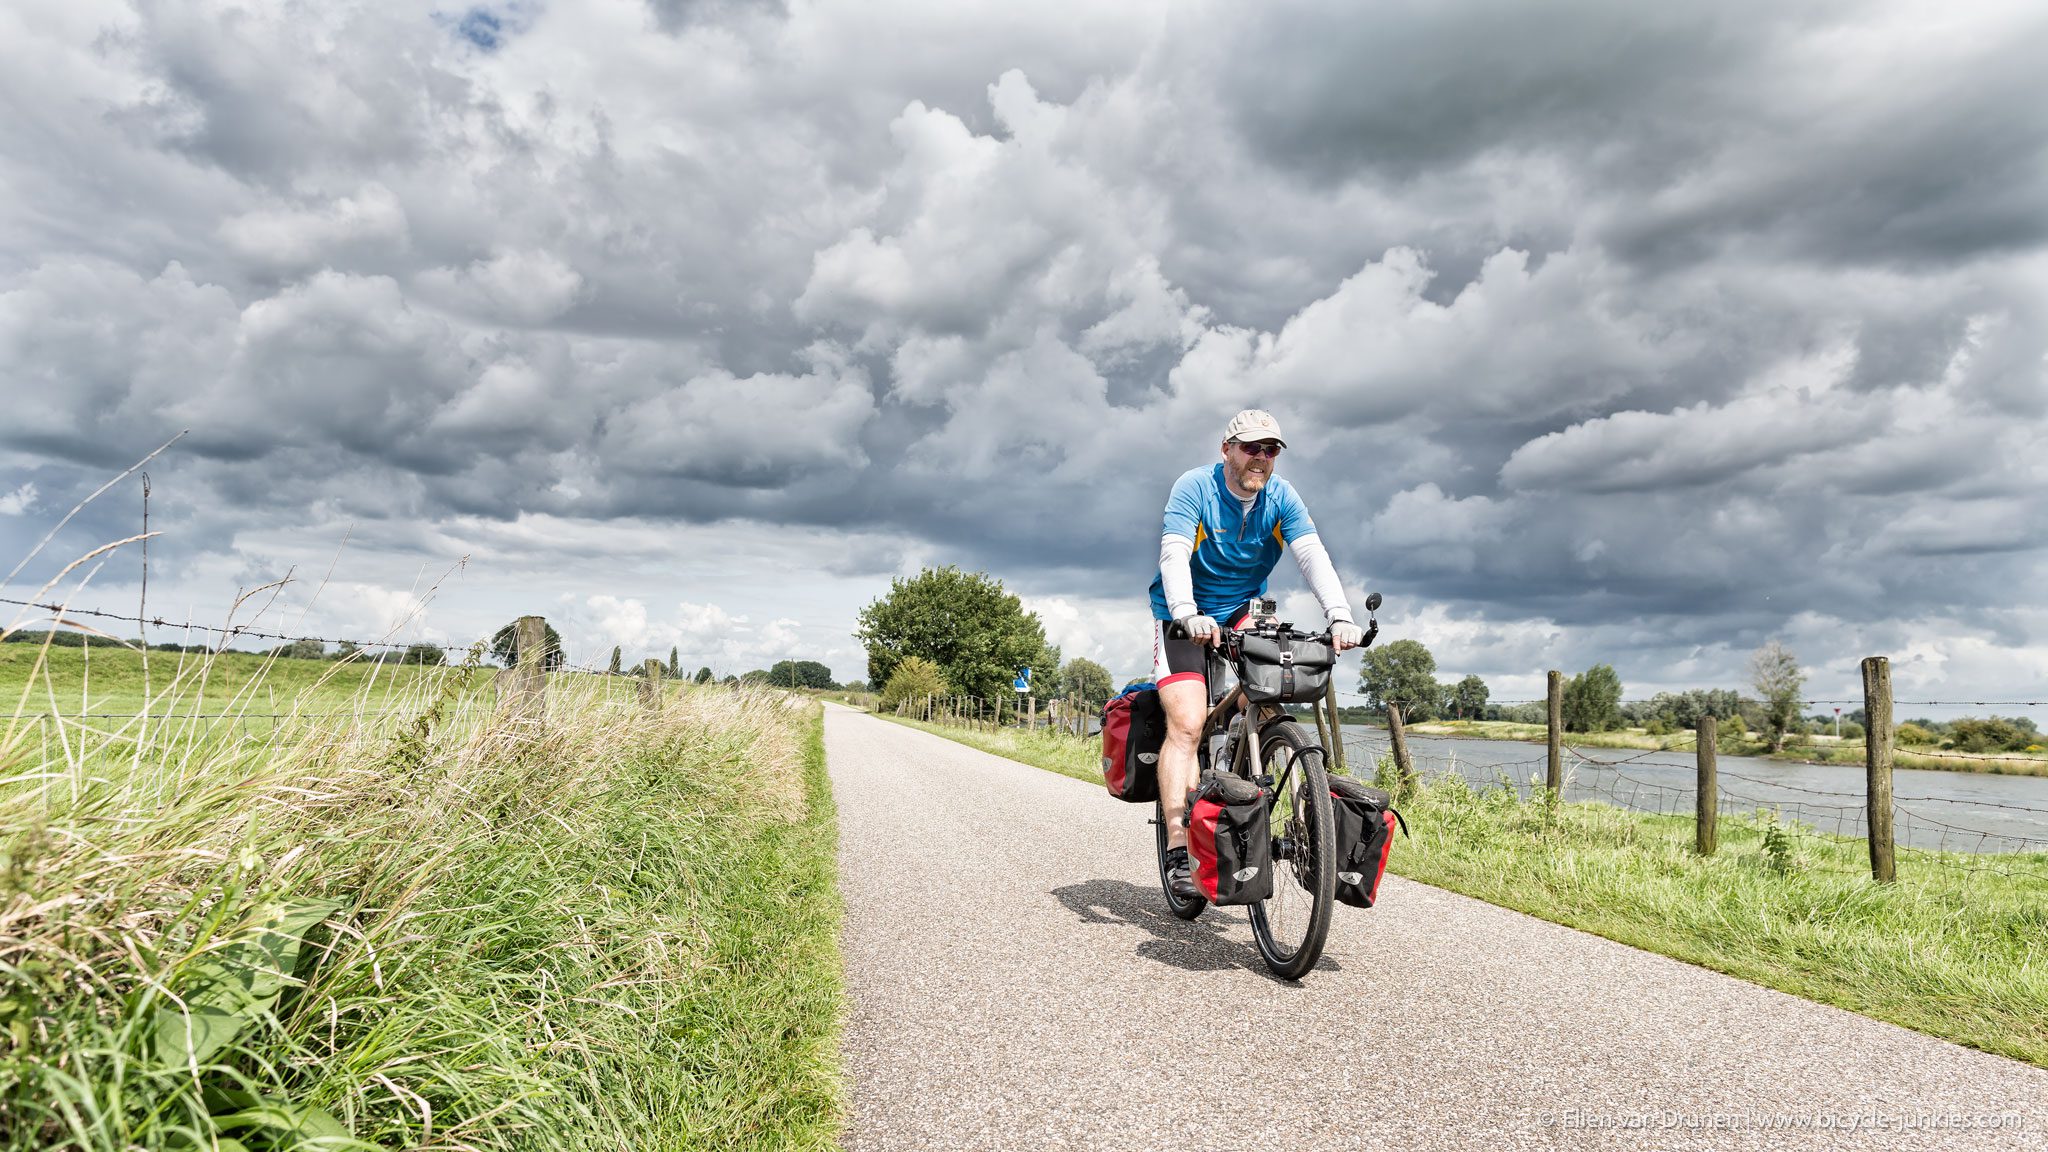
(71, 681)
(436, 924)
(1956, 948)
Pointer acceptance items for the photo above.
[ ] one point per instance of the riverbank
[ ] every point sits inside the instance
(1957, 947)
(1847, 752)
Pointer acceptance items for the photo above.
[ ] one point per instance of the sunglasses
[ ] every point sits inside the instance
(1266, 448)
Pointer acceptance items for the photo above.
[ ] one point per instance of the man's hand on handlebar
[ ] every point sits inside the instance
(1344, 636)
(1200, 629)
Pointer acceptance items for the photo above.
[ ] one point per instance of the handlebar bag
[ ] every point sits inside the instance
(1230, 841)
(1283, 669)
(1133, 730)
(1365, 820)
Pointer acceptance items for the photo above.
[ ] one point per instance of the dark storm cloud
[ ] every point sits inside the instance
(1529, 287)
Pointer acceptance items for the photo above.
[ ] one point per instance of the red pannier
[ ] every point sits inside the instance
(1133, 730)
(1365, 822)
(1230, 839)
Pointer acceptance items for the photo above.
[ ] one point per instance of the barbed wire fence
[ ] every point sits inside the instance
(233, 714)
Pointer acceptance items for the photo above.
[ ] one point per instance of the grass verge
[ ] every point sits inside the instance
(434, 925)
(1956, 948)
(1081, 759)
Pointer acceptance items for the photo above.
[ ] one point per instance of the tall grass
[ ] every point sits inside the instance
(429, 924)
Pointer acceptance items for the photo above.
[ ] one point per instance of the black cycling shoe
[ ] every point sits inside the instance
(1179, 876)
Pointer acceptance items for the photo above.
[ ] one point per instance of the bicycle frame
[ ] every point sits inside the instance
(1246, 752)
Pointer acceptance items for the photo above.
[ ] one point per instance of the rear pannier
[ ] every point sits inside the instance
(1365, 836)
(1133, 728)
(1284, 669)
(1229, 841)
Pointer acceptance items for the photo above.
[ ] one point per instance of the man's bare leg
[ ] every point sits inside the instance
(1186, 703)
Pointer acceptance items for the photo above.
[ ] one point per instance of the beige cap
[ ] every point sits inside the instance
(1251, 425)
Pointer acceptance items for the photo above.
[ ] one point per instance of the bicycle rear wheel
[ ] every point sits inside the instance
(1184, 909)
(1289, 926)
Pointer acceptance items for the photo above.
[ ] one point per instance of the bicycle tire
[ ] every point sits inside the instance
(1289, 936)
(1182, 909)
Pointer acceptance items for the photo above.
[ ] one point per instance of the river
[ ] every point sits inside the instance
(1953, 811)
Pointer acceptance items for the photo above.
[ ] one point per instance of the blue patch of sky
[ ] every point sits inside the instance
(481, 27)
(488, 26)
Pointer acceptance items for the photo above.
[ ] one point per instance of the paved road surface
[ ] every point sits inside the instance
(1016, 983)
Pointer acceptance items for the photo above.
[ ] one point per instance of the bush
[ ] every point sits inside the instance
(1908, 733)
(1731, 731)
(1994, 734)
(914, 678)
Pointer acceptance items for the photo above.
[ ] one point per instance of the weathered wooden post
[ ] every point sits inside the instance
(529, 667)
(1877, 764)
(650, 684)
(1404, 768)
(1032, 721)
(1707, 798)
(1553, 776)
(1336, 734)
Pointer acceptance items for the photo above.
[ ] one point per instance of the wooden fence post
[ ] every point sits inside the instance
(1032, 723)
(1336, 737)
(530, 666)
(1877, 764)
(650, 684)
(1707, 798)
(1404, 768)
(1553, 776)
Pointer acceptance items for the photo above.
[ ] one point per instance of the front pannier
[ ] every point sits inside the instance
(1284, 669)
(1365, 820)
(1230, 842)
(1133, 729)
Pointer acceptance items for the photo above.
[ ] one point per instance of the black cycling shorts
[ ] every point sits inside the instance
(1175, 659)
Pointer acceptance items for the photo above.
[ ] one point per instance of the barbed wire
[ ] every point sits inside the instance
(62, 611)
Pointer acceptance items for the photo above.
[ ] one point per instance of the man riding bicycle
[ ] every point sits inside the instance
(1225, 527)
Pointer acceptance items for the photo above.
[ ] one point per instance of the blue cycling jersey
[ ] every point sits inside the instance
(1235, 548)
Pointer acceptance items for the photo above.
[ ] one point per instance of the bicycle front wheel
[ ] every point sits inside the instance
(1289, 926)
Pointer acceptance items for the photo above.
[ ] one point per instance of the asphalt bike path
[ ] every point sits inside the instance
(1015, 981)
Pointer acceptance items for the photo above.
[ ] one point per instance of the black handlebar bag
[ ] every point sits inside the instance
(1133, 731)
(1284, 669)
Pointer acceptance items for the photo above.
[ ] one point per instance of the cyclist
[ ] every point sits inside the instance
(1225, 527)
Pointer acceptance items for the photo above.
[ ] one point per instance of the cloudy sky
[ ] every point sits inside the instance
(1601, 331)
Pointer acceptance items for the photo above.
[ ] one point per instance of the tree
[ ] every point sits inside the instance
(1592, 700)
(346, 649)
(1775, 673)
(301, 650)
(913, 678)
(1468, 698)
(616, 653)
(422, 654)
(1086, 681)
(703, 675)
(800, 674)
(1403, 673)
(505, 646)
(962, 622)
(675, 667)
